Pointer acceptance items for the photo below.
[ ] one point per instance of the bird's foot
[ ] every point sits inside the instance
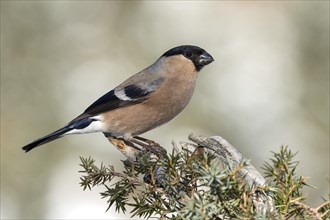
(149, 145)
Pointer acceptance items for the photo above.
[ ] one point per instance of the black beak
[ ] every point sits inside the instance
(205, 58)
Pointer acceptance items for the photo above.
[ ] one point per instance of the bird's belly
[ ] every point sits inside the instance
(137, 119)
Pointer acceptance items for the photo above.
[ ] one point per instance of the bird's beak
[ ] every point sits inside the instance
(205, 58)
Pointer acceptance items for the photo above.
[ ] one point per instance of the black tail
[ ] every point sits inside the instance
(78, 124)
(53, 136)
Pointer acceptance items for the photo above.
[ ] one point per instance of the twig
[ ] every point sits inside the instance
(230, 156)
(310, 209)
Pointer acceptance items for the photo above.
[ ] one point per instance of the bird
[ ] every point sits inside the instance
(144, 101)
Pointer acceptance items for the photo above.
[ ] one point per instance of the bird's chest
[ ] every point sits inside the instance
(174, 95)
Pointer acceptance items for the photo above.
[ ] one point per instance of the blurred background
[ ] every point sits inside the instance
(268, 86)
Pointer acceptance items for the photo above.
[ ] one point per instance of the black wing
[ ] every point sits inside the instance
(133, 94)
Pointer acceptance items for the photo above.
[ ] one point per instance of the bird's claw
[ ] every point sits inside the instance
(150, 146)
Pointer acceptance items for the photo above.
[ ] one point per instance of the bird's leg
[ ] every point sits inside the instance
(149, 142)
(149, 145)
(153, 148)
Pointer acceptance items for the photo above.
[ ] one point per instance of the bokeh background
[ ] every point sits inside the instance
(268, 86)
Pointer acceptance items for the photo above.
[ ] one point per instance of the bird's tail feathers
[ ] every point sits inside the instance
(77, 126)
(50, 137)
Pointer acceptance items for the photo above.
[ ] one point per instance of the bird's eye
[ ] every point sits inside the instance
(188, 54)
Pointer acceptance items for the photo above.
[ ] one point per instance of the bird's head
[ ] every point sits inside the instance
(197, 55)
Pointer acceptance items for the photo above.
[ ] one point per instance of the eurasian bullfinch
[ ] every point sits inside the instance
(144, 101)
